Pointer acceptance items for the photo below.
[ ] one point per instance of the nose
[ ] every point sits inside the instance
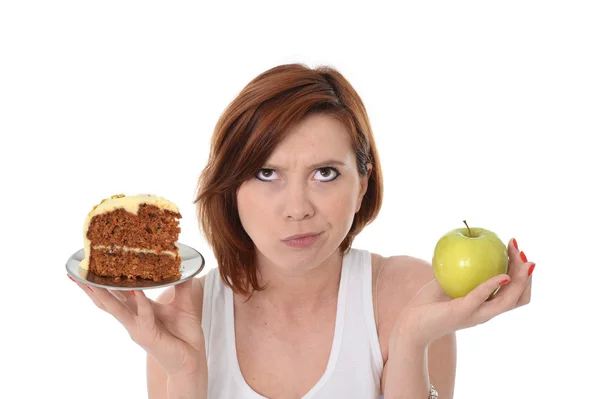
(297, 204)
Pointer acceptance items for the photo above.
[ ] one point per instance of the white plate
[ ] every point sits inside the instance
(192, 263)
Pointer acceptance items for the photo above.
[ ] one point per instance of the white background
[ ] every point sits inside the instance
(485, 111)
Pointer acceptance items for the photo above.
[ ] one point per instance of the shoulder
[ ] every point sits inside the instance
(396, 279)
(401, 276)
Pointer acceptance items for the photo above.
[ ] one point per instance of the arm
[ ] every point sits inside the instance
(156, 377)
(162, 386)
(186, 385)
(408, 372)
(411, 368)
(396, 284)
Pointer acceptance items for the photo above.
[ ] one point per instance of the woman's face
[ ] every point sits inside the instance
(310, 184)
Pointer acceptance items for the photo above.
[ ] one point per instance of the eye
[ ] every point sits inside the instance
(267, 175)
(329, 174)
(325, 175)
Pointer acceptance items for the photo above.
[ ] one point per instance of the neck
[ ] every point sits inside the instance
(297, 291)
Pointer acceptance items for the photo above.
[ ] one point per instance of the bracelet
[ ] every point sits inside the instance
(433, 394)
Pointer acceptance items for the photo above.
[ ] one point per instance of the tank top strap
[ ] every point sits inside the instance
(360, 301)
(212, 303)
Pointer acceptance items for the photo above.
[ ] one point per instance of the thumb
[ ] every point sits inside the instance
(482, 292)
(430, 292)
(183, 291)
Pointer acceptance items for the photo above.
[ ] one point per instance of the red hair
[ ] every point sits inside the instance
(247, 132)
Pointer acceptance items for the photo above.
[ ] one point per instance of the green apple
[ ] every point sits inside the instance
(466, 257)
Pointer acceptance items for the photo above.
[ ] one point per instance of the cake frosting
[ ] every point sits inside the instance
(130, 204)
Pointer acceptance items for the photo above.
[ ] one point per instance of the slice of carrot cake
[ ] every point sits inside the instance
(132, 237)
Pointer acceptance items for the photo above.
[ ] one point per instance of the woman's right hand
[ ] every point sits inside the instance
(170, 332)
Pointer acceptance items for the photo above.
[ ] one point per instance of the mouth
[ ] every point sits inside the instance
(300, 236)
(302, 240)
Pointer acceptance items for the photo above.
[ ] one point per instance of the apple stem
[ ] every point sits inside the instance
(468, 229)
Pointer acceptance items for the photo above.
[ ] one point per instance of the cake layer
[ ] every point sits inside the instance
(131, 264)
(151, 228)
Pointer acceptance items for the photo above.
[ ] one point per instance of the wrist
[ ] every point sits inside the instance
(184, 365)
(408, 338)
(189, 371)
(407, 363)
(406, 347)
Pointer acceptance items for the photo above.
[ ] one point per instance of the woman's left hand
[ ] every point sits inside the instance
(431, 314)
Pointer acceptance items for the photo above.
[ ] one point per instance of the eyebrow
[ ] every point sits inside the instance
(330, 162)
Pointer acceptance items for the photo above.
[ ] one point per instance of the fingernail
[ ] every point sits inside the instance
(531, 269)
(523, 257)
(71, 278)
(515, 243)
(89, 288)
(133, 293)
(504, 281)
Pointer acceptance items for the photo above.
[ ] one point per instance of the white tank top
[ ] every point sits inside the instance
(355, 364)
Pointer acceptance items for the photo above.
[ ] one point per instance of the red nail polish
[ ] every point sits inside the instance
(531, 269)
(504, 281)
(515, 243)
(133, 293)
(89, 288)
(71, 278)
(523, 257)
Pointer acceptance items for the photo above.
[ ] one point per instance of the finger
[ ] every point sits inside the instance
(89, 292)
(512, 248)
(115, 307)
(126, 298)
(514, 257)
(515, 254)
(145, 310)
(480, 294)
(509, 296)
(526, 296)
(517, 270)
(515, 294)
(146, 330)
(183, 292)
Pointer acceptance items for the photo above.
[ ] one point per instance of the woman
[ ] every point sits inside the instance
(293, 311)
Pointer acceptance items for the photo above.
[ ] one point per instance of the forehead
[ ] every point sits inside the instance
(315, 137)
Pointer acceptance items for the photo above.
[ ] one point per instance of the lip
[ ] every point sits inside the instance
(302, 241)
(299, 236)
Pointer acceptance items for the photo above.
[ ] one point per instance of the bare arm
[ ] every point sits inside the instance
(156, 379)
(400, 279)
(408, 375)
(155, 375)
(442, 365)
(161, 386)
(411, 369)
(184, 386)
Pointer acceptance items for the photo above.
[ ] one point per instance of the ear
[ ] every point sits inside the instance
(364, 184)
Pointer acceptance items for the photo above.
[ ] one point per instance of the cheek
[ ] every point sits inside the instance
(252, 209)
(341, 209)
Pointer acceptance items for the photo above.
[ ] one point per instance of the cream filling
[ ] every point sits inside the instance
(130, 204)
(138, 250)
